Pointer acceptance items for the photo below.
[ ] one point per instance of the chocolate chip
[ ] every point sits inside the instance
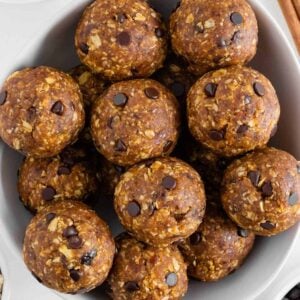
(131, 286)
(3, 96)
(84, 48)
(236, 36)
(87, 258)
(169, 182)
(159, 32)
(57, 108)
(149, 162)
(178, 89)
(254, 176)
(242, 232)
(242, 129)
(259, 89)
(196, 238)
(199, 29)
(74, 274)
(74, 242)
(48, 193)
(171, 279)
(236, 18)
(293, 199)
(124, 38)
(210, 90)
(247, 99)
(120, 146)
(120, 99)
(121, 17)
(151, 93)
(267, 189)
(267, 225)
(63, 170)
(31, 113)
(110, 122)
(50, 217)
(222, 42)
(133, 208)
(167, 147)
(216, 135)
(70, 231)
(274, 130)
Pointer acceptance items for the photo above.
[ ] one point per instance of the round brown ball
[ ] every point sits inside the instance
(68, 247)
(121, 39)
(217, 248)
(135, 120)
(212, 34)
(261, 191)
(160, 201)
(233, 110)
(41, 111)
(69, 175)
(143, 272)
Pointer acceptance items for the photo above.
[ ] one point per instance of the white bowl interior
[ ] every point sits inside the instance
(54, 46)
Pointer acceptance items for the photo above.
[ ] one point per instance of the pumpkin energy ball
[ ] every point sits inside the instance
(121, 39)
(232, 111)
(68, 247)
(41, 111)
(212, 34)
(160, 201)
(69, 175)
(135, 120)
(217, 248)
(143, 272)
(261, 191)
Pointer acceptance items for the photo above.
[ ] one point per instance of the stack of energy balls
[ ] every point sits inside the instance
(181, 149)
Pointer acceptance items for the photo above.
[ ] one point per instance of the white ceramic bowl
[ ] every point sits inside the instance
(53, 45)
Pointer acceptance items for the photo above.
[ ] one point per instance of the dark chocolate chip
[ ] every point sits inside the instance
(196, 238)
(48, 193)
(236, 36)
(216, 135)
(242, 129)
(123, 38)
(84, 48)
(254, 176)
(222, 42)
(3, 96)
(110, 122)
(293, 199)
(178, 89)
(31, 113)
(70, 231)
(120, 146)
(36, 277)
(259, 89)
(74, 274)
(63, 170)
(57, 108)
(267, 189)
(159, 32)
(120, 99)
(74, 242)
(247, 99)
(199, 29)
(151, 92)
(236, 18)
(171, 279)
(210, 90)
(267, 225)
(50, 217)
(133, 208)
(179, 217)
(87, 258)
(242, 232)
(121, 17)
(169, 182)
(149, 162)
(131, 286)
(274, 130)
(167, 147)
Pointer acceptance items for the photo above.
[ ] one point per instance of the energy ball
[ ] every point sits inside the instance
(135, 120)
(217, 248)
(261, 191)
(142, 272)
(160, 201)
(232, 111)
(121, 39)
(91, 85)
(69, 175)
(68, 247)
(212, 34)
(41, 111)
